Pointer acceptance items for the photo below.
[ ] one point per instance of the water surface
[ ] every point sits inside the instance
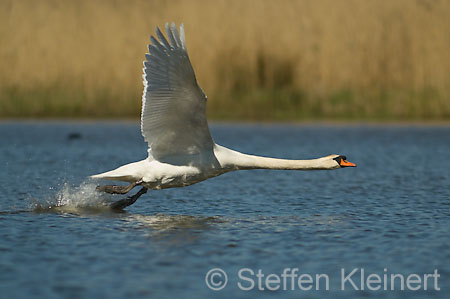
(391, 212)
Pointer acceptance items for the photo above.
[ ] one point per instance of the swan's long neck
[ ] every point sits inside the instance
(234, 160)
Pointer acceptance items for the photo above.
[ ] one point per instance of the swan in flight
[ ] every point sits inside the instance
(181, 151)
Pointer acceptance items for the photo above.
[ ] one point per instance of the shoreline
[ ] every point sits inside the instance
(319, 122)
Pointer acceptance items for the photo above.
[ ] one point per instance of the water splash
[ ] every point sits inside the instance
(73, 199)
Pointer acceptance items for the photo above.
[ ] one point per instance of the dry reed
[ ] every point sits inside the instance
(273, 60)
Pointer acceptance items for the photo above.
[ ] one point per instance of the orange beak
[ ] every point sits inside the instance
(345, 163)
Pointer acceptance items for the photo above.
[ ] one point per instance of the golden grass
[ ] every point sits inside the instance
(279, 60)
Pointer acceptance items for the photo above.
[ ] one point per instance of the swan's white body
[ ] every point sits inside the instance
(188, 170)
(173, 122)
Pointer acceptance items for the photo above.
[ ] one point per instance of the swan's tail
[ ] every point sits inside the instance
(128, 173)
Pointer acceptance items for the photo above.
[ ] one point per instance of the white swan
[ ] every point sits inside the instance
(173, 122)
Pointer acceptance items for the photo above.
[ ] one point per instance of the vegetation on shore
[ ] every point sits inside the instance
(256, 60)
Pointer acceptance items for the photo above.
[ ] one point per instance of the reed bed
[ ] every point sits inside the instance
(258, 60)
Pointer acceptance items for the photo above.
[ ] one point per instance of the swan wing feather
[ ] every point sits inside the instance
(173, 120)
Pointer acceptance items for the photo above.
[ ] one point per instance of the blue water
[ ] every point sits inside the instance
(391, 212)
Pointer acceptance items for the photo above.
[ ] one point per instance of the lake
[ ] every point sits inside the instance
(262, 228)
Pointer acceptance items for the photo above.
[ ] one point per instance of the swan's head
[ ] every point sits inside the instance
(342, 161)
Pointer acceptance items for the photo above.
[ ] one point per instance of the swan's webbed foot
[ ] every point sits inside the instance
(114, 189)
(123, 203)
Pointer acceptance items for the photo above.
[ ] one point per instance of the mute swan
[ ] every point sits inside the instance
(173, 122)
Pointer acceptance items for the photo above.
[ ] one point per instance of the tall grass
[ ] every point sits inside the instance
(262, 59)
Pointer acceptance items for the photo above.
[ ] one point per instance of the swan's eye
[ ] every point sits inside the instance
(338, 159)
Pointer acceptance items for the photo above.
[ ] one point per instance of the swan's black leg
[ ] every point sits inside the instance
(114, 189)
(123, 203)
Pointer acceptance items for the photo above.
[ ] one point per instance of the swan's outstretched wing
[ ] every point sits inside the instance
(173, 120)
